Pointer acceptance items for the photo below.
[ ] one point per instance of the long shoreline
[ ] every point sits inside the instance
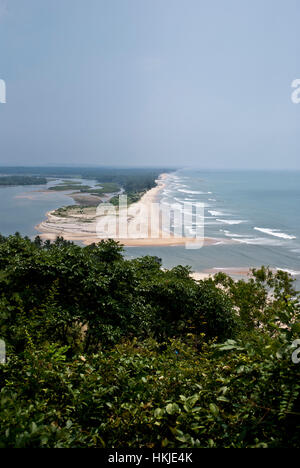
(235, 273)
(84, 230)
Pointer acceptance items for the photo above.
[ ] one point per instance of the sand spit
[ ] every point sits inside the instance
(81, 225)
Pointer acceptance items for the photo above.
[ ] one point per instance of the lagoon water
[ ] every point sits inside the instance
(258, 210)
(23, 207)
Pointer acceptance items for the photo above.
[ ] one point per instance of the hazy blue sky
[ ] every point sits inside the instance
(150, 82)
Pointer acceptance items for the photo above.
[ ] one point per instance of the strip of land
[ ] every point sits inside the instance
(235, 273)
(77, 223)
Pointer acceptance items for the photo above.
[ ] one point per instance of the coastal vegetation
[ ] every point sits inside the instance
(108, 352)
(106, 187)
(71, 182)
(132, 197)
(65, 187)
(133, 183)
(21, 180)
(76, 211)
(131, 179)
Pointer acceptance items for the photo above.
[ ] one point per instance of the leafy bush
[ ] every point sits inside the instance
(109, 352)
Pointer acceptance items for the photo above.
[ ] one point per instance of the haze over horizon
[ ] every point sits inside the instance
(129, 83)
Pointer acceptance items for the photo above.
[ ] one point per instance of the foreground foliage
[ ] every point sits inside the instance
(107, 352)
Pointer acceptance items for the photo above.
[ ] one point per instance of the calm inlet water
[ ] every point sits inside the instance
(22, 208)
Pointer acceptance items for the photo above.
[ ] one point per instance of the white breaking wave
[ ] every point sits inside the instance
(275, 233)
(231, 234)
(231, 221)
(291, 272)
(217, 213)
(258, 241)
(192, 192)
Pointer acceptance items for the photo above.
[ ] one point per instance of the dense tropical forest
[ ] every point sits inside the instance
(131, 179)
(108, 352)
(22, 180)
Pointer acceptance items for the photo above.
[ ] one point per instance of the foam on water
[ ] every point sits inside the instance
(231, 221)
(241, 202)
(192, 192)
(291, 272)
(275, 233)
(217, 213)
(258, 241)
(232, 234)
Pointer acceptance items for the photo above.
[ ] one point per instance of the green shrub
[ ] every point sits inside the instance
(108, 352)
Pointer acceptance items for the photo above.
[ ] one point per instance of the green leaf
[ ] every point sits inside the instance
(214, 409)
(172, 408)
(33, 427)
(159, 413)
(69, 424)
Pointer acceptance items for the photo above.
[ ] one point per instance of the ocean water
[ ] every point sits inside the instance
(257, 212)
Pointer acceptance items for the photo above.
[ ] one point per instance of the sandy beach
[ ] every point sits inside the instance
(82, 226)
(235, 273)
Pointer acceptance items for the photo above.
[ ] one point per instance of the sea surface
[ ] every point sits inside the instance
(257, 212)
(254, 215)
